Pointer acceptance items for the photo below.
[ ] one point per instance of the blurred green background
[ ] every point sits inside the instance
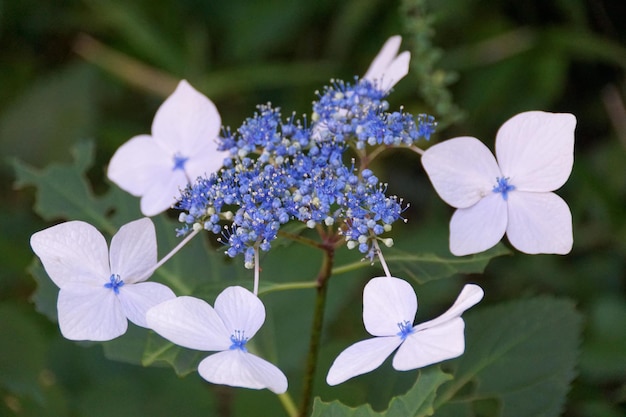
(72, 70)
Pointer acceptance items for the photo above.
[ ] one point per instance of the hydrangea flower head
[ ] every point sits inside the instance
(100, 289)
(389, 308)
(227, 328)
(182, 147)
(279, 170)
(513, 194)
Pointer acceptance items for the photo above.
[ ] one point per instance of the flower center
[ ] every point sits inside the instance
(503, 187)
(179, 162)
(239, 341)
(406, 328)
(115, 283)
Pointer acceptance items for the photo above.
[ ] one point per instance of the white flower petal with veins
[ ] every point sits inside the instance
(389, 308)
(99, 291)
(237, 316)
(389, 67)
(183, 147)
(535, 154)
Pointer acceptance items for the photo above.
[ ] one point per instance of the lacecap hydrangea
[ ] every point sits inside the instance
(312, 171)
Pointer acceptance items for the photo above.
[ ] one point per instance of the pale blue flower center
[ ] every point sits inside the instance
(179, 162)
(406, 328)
(239, 341)
(115, 282)
(503, 187)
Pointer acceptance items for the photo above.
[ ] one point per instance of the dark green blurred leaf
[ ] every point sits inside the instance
(45, 295)
(521, 350)
(63, 191)
(50, 116)
(424, 267)
(22, 351)
(139, 32)
(417, 402)
(159, 351)
(604, 353)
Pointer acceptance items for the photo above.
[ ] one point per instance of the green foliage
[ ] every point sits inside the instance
(490, 59)
(417, 402)
(63, 191)
(521, 350)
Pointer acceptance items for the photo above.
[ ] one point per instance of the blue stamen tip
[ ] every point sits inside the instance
(239, 341)
(406, 328)
(179, 162)
(503, 187)
(115, 283)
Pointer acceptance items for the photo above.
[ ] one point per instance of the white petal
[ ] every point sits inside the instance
(470, 295)
(380, 63)
(360, 358)
(88, 312)
(241, 369)
(388, 302)
(479, 227)
(163, 192)
(536, 150)
(137, 299)
(462, 170)
(138, 163)
(72, 252)
(432, 345)
(134, 250)
(539, 223)
(388, 67)
(205, 162)
(189, 322)
(186, 121)
(240, 310)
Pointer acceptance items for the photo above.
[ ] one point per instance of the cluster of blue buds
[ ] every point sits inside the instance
(279, 170)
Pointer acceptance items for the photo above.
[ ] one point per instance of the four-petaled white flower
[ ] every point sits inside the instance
(535, 154)
(183, 146)
(389, 308)
(389, 67)
(99, 290)
(237, 316)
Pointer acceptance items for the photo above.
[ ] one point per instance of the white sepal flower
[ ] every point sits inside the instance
(389, 67)
(389, 308)
(535, 154)
(183, 146)
(237, 316)
(100, 290)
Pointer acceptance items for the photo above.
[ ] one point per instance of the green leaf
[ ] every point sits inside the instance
(424, 267)
(159, 351)
(604, 351)
(522, 350)
(417, 402)
(63, 191)
(45, 295)
(22, 351)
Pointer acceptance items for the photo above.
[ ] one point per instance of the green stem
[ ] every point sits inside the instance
(302, 239)
(288, 404)
(316, 327)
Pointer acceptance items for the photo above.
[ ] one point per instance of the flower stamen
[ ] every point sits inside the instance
(406, 328)
(503, 187)
(115, 283)
(239, 341)
(179, 162)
